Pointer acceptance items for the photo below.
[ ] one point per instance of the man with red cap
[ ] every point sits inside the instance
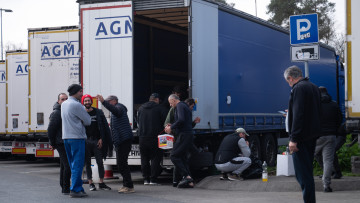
(98, 142)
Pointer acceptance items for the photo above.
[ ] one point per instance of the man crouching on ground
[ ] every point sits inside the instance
(227, 159)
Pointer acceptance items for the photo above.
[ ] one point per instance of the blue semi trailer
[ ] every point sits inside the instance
(231, 62)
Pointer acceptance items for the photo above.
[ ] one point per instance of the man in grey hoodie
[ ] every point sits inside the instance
(74, 117)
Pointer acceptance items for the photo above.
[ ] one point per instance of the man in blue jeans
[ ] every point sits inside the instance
(74, 117)
(304, 128)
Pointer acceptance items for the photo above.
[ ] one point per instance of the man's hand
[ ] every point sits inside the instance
(100, 98)
(197, 120)
(99, 144)
(293, 147)
(168, 129)
(52, 148)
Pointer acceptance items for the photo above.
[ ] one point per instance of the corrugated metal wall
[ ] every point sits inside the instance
(155, 4)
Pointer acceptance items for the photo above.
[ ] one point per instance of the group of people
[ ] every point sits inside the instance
(77, 131)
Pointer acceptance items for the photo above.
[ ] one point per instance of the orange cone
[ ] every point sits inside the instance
(109, 173)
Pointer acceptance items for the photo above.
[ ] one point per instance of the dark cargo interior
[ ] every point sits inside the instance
(160, 52)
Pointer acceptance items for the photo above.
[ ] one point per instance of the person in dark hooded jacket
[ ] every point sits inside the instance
(325, 145)
(151, 116)
(56, 142)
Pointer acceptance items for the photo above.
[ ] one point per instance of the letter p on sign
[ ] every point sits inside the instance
(304, 29)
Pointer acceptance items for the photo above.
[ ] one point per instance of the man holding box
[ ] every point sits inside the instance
(183, 127)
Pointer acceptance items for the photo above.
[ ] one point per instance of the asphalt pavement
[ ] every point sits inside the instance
(22, 181)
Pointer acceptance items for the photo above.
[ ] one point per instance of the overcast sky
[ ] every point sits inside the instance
(52, 13)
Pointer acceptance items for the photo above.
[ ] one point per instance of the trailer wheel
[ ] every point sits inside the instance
(255, 146)
(269, 149)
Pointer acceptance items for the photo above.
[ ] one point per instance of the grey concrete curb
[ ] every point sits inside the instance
(275, 184)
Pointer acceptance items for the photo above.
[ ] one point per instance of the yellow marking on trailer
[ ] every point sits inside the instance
(353, 114)
(29, 52)
(44, 153)
(18, 150)
(17, 53)
(49, 32)
(349, 71)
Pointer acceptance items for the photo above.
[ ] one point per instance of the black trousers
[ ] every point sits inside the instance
(180, 152)
(92, 148)
(65, 172)
(122, 154)
(151, 157)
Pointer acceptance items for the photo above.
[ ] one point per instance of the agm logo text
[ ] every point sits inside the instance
(21, 68)
(113, 27)
(2, 77)
(60, 50)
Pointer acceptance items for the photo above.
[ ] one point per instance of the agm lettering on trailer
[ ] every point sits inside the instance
(114, 27)
(22, 69)
(2, 77)
(60, 50)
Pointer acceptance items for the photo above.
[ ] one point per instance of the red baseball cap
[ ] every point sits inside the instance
(83, 97)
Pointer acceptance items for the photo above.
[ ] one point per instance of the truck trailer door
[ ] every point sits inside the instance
(203, 49)
(107, 50)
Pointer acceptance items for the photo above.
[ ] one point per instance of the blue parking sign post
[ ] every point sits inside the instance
(304, 30)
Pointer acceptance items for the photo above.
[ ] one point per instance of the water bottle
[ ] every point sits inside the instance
(265, 172)
(287, 150)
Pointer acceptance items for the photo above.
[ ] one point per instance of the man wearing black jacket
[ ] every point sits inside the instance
(56, 142)
(325, 146)
(304, 127)
(151, 117)
(183, 127)
(122, 137)
(98, 142)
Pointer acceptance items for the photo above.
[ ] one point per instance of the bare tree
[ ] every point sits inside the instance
(338, 42)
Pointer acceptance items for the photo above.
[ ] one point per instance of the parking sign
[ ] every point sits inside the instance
(304, 29)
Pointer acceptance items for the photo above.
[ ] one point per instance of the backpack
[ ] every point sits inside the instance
(254, 171)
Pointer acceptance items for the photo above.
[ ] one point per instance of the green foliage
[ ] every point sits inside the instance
(281, 10)
(344, 155)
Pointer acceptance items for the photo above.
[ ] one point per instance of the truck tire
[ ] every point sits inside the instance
(269, 149)
(255, 145)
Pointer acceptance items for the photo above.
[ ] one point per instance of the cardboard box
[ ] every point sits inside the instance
(165, 141)
(285, 165)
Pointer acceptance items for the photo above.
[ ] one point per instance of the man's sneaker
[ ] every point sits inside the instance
(224, 177)
(126, 190)
(154, 183)
(146, 182)
(234, 177)
(328, 189)
(83, 194)
(92, 187)
(337, 176)
(77, 194)
(103, 186)
(175, 184)
(186, 183)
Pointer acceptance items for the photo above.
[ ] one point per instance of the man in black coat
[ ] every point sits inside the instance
(56, 142)
(325, 146)
(304, 128)
(151, 117)
(98, 142)
(122, 137)
(183, 128)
